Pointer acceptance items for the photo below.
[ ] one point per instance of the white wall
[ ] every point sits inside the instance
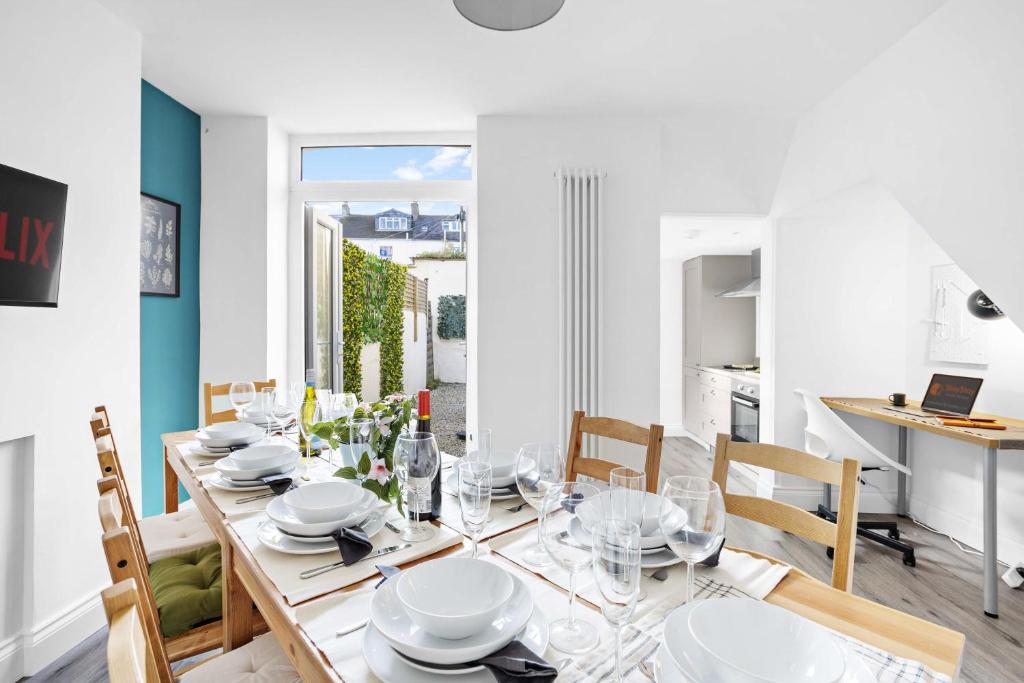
(243, 242)
(402, 251)
(71, 113)
(518, 261)
(444, 277)
(414, 359)
(936, 120)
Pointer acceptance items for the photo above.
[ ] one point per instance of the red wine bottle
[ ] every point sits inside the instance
(428, 509)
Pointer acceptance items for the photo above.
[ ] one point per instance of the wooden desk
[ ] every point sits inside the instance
(990, 440)
(245, 583)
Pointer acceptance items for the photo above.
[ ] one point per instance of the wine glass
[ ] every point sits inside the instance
(627, 494)
(358, 439)
(692, 518)
(308, 414)
(475, 498)
(417, 460)
(267, 397)
(616, 559)
(349, 403)
(479, 442)
(539, 466)
(281, 410)
(241, 395)
(570, 635)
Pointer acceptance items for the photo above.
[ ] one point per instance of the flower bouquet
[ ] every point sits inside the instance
(381, 424)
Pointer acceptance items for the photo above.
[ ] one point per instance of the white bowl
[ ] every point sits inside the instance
(235, 471)
(287, 521)
(324, 501)
(503, 463)
(591, 512)
(256, 457)
(454, 597)
(224, 434)
(741, 640)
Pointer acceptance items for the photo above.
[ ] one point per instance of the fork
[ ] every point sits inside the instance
(517, 508)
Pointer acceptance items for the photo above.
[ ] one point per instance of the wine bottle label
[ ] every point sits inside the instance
(419, 495)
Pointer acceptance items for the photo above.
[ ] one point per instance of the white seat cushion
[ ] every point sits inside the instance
(261, 661)
(174, 533)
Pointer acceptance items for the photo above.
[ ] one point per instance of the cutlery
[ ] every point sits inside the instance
(564, 539)
(317, 571)
(658, 574)
(392, 527)
(646, 669)
(352, 628)
(276, 489)
(517, 508)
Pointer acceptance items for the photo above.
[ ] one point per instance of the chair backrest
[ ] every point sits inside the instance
(212, 390)
(131, 657)
(106, 455)
(828, 436)
(841, 536)
(650, 438)
(115, 510)
(126, 562)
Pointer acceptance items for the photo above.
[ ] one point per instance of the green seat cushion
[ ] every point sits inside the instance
(187, 589)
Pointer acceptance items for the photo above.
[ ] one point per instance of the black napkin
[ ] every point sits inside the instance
(712, 561)
(353, 543)
(516, 662)
(278, 483)
(571, 502)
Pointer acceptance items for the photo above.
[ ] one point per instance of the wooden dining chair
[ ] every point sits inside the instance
(212, 390)
(161, 536)
(134, 655)
(841, 535)
(650, 438)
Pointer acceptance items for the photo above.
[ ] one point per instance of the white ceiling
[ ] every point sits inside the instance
(683, 237)
(402, 65)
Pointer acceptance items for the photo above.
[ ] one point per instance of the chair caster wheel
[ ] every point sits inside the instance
(894, 534)
(909, 560)
(831, 552)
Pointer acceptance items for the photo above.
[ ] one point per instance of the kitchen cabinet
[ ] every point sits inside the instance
(717, 330)
(692, 401)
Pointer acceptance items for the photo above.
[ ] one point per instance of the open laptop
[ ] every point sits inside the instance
(947, 395)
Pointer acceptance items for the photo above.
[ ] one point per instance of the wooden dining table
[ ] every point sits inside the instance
(245, 584)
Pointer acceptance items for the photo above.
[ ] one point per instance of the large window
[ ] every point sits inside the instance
(419, 162)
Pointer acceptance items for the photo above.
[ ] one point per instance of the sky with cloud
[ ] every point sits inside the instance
(387, 163)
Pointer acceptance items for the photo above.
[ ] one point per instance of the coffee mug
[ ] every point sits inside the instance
(898, 399)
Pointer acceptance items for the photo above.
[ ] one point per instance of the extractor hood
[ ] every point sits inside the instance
(751, 287)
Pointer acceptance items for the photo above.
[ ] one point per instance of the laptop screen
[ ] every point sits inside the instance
(951, 394)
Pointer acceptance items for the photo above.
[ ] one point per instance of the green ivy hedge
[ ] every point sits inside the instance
(451, 316)
(374, 295)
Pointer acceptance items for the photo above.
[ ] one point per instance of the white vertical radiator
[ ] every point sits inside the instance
(580, 219)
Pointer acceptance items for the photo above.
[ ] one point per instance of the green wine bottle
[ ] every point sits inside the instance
(306, 414)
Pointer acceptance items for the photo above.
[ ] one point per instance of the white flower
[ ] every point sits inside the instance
(379, 472)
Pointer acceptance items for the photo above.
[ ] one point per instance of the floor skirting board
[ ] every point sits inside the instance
(26, 653)
(967, 531)
(809, 498)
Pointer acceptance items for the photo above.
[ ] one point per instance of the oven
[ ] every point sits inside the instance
(746, 411)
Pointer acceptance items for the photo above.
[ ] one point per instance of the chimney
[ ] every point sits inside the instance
(345, 213)
(415, 211)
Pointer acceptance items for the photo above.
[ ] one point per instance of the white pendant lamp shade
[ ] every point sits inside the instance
(508, 15)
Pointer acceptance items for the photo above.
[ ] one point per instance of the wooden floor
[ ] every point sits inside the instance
(945, 587)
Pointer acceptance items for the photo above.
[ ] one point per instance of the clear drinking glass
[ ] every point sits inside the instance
(417, 460)
(570, 635)
(281, 410)
(616, 559)
(479, 442)
(267, 397)
(692, 519)
(475, 498)
(242, 395)
(539, 466)
(358, 440)
(627, 492)
(307, 419)
(349, 403)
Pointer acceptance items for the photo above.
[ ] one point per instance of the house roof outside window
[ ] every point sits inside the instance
(421, 226)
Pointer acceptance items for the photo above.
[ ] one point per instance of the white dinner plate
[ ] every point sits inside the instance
(452, 484)
(250, 436)
(219, 481)
(272, 537)
(389, 666)
(283, 517)
(231, 469)
(651, 558)
(212, 455)
(857, 670)
(394, 624)
(534, 636)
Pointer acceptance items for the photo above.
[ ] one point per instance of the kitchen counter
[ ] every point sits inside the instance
(746, 376)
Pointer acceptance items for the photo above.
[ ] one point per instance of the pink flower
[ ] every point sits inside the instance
(379, 472)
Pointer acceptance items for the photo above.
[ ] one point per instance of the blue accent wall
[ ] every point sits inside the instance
(170, 325)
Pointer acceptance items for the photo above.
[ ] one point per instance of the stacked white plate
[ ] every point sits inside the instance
(302, 520)
(654, 550)
(434, 618)
(503, 474)
(244, 469)
(740, 640)
(219, 439)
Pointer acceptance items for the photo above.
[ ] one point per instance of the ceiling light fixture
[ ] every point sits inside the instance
(508, 15)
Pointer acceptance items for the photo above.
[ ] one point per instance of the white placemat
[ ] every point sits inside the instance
(502, 517)
(194, 463)
(284, 569)
(227, 501)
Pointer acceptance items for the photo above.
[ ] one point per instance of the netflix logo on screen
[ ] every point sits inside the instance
(31, 237)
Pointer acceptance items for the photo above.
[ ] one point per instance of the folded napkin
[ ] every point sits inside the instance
(712, 560)
(353, 543)
(516, 662)
(278, 483)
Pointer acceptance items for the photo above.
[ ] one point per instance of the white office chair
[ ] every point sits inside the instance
(827, 436)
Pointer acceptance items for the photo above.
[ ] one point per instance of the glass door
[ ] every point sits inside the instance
(323, 319)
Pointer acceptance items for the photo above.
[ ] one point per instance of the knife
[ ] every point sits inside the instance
(317, 571)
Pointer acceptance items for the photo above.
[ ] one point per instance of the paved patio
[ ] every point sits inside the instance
(448, 416)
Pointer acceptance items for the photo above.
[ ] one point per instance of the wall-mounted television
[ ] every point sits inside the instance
(31, 237)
